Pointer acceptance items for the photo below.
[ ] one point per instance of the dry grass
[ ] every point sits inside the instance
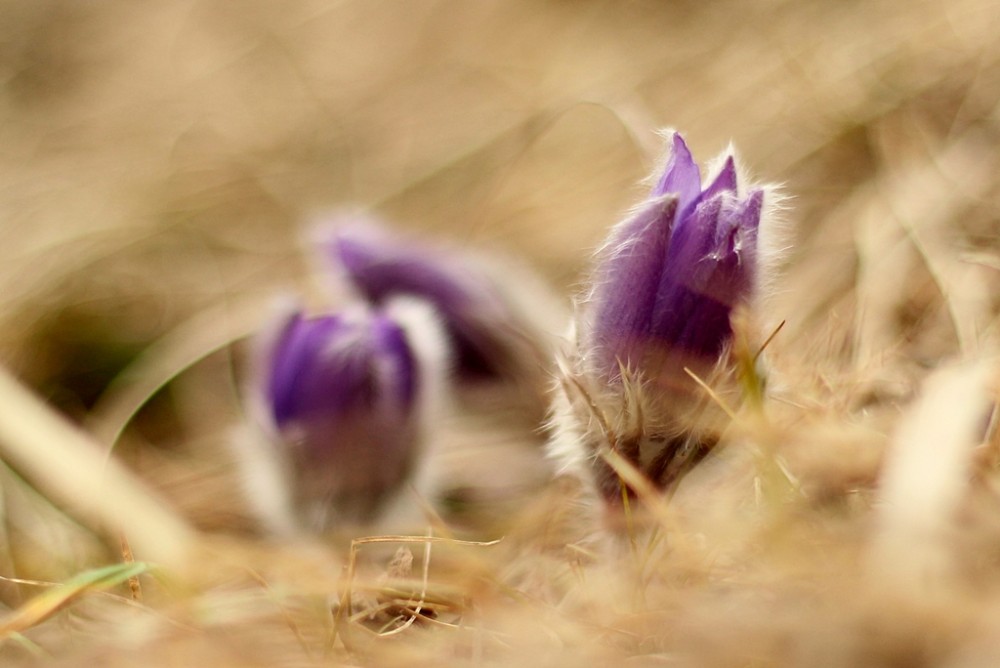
(160, 160)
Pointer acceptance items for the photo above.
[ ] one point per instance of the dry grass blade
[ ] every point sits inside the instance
(713, 395)
(652, 500)
(926, 475)
(768, 340)
(204, 334)
(48, 603)
(69, 467)
(344, 608)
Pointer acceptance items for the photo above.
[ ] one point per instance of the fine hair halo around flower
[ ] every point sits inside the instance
(658, 313)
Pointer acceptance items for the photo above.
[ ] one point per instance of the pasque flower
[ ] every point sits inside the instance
(497, 314)
(343, 400)
(670, 276)
(665, 286)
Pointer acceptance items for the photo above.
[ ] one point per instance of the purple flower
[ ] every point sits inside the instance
(490, 309)
(666, 284)
(344, 399)
(670, 275)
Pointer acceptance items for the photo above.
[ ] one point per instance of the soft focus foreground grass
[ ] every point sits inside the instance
(158, 163)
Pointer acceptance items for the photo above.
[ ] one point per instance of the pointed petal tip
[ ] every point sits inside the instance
(679, 145)
(725, 181)
(681, 175)
(751, 210)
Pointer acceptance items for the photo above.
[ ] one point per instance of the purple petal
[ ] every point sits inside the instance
(328, 367)
(381, 267)
(709, 271)
(724, 182)
(627, 281)
(747, 215)
(399, 371)
(293, 360)
(380, 270)
(682, 318)
(728, 272)
(681, 176)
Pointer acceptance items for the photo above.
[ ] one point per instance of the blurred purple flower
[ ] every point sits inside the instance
(342, 394)
(487, 317)
(670, 275)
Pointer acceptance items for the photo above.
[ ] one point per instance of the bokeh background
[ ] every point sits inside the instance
(160, 161)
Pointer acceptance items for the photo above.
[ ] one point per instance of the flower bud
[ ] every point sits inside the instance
(343, 402)
(664, 289)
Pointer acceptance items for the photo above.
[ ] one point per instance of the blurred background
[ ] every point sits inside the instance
(159, 161)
